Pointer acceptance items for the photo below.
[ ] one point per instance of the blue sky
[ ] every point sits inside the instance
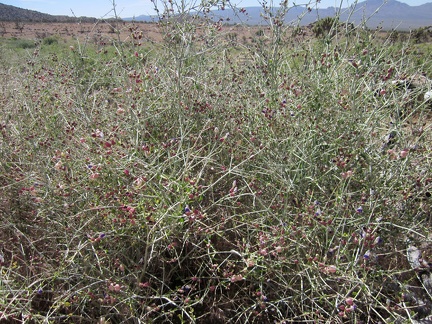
(130, 8)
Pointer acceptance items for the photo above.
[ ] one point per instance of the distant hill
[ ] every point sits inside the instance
(389, 15)
(11, 13)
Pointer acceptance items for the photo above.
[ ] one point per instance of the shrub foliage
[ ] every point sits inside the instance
(205, 179)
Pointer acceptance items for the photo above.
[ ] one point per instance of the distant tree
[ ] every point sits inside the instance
(2, 29)
(19, 25)
(394, 36)
(259, 33)
(420, 35)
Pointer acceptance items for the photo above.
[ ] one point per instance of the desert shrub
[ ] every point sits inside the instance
(51, 40)
(24, 44)
(325, 26)
(193, 181)
(421, 35)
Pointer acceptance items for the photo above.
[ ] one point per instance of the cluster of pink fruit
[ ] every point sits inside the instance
(348, 307)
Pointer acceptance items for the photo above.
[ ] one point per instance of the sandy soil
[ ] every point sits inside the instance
(70, 31)
(105, 30)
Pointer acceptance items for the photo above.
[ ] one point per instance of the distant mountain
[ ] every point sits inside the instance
(390, 14)
(11, 13)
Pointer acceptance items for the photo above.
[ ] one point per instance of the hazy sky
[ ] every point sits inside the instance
(130, 8)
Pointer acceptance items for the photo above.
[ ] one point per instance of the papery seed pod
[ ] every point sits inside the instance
(403, 154)
(378, 240)
(367, 255)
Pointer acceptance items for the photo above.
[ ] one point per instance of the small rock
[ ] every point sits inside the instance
(413, 256)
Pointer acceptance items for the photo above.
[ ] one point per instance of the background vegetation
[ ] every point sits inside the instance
(206, 179)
